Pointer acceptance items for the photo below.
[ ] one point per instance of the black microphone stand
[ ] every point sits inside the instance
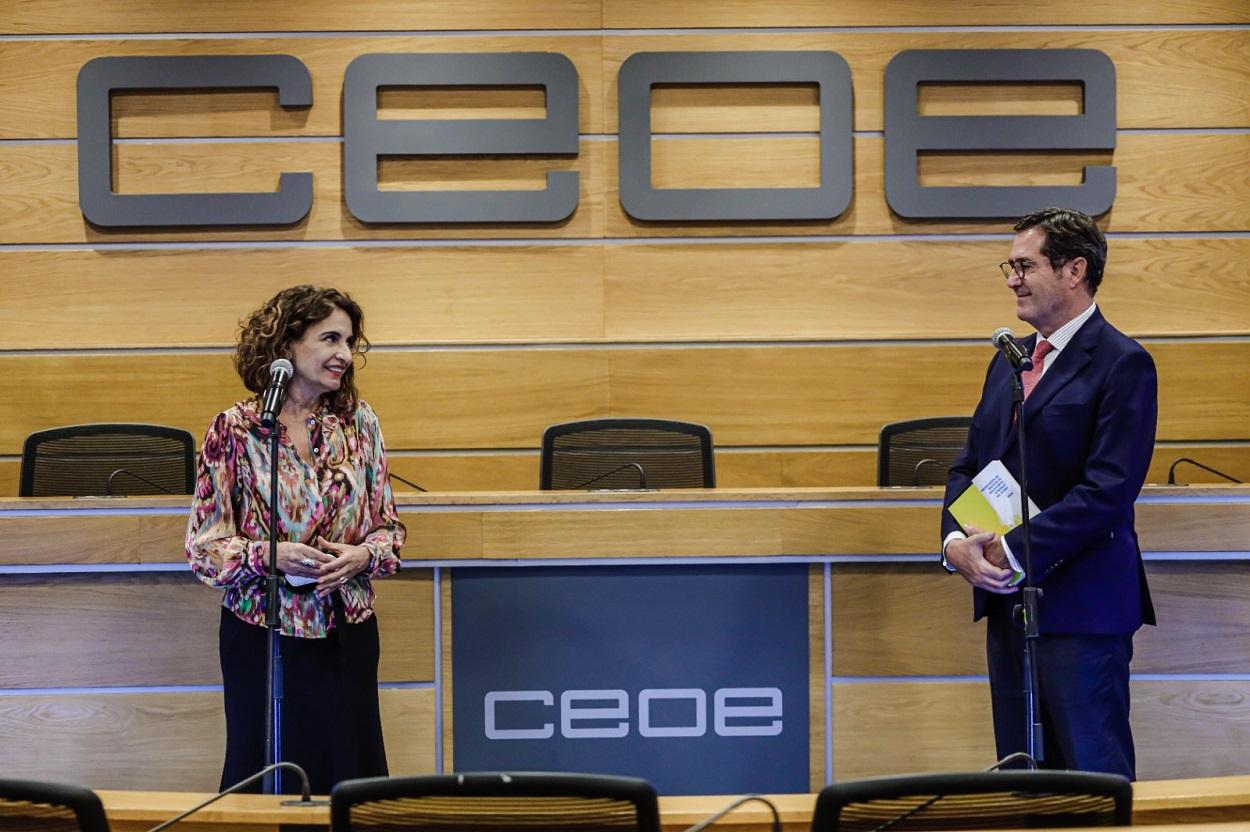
(1027, 611)
(273, 676)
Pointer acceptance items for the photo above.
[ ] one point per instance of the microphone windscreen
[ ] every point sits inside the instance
(999, 333)
(281, 365)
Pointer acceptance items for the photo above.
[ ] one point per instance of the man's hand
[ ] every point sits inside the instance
(970, 558)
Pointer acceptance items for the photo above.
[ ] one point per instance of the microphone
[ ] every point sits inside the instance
(1005, 340)
(305, 794)
(280, 372)
(708, 821)
(1180, 459)
(108, 486)
(915, 472)
(642, 476)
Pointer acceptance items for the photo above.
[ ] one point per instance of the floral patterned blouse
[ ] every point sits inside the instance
(344, 496)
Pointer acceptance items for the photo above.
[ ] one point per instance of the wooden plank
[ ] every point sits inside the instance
(39, 191)
(39, 99)
(75, 299)
(74, 16)
(633, 14)
(169, 741)
(1203, 619)
(735, 468)
(505, 398)
(931, 289)
(895, 728)
(817, 674)
(1205, 83)
(625, 293)
(1166, 182)
(1182, 728)
(161, 629)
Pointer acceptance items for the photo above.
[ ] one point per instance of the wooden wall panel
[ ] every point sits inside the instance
(1205, 84)
(902, 289)
(196, 298)
(735, 467)
(152, 629)
(1182, 728)
(633, 14)
(166, 741)
(39, 190)
(583, 293)
(1166, 182)
(73, 16)
(39, 99)
(799, 395)
(1204, 622)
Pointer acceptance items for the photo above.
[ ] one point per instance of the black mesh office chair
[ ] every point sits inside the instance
(495, 802)
(627, 453)
(920, 451)
(975, 800)
(96, 460)
(49, 807)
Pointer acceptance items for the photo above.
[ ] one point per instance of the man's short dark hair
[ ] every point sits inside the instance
(1070, 234)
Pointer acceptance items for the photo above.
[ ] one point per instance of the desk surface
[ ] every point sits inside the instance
(1211, 802)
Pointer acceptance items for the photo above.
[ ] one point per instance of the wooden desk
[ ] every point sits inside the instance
(1190, 805)
(78, 573)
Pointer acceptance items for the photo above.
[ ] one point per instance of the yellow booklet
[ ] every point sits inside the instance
(992, 504)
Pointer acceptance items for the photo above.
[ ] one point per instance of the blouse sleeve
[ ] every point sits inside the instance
(219, 554)
(386, 533)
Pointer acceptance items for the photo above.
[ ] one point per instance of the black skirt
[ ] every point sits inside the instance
(331, 725)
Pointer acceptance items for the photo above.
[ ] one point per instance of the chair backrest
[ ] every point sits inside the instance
(495, 802)
(50, 807)
(95, 460)
(975, 800)
(920, 451)
(627, 453)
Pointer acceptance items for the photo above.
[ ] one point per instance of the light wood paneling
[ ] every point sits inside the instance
(817, 674)
(1181, 728)
(799, 395)
(902, 289)
(1204, 623)
(735, 468)
(633, 14)
(510, 294)
(73, 16)
(39, 191)
(626, 293)
(39, 99)
(1166, 182)
(884, 728)
(169, 741)
(161, 629)
(1205, 84)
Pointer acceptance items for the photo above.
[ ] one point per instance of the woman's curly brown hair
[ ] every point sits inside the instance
(267, 334)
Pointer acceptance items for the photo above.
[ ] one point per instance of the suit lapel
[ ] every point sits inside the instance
(1068, 365)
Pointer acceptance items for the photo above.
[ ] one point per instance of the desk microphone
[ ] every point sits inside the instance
(642, 476)
(1180, 459)
(915, 472)
(708, 821)
(305, 794)
(108, 486)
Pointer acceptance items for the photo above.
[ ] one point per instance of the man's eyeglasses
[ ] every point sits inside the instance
(1021, 268)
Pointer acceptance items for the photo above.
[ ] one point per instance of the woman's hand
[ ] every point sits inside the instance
(347, 562)
(302, 560)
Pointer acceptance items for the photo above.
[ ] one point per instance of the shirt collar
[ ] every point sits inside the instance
(1064, 334)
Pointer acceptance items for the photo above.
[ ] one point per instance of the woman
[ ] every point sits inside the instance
(338, 530)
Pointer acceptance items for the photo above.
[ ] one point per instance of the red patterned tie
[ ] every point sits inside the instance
(1031, 377)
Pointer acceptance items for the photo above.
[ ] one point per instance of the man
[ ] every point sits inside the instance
(1089, 423)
